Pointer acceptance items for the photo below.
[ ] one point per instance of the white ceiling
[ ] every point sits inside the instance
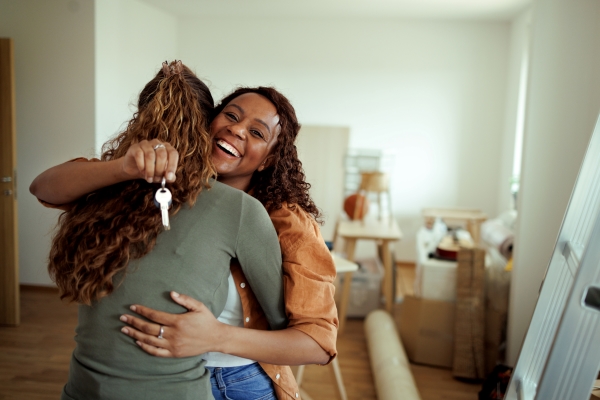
(436, 9)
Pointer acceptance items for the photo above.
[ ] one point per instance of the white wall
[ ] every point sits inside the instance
(517, 77)
(54, 68)
(132, 40)
(562, 107)
(79, 65)
(434, 92)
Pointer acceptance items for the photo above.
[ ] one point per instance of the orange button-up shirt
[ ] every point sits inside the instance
(308, 274)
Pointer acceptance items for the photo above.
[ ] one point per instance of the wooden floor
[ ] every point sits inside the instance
(432, 383)
(34, 357)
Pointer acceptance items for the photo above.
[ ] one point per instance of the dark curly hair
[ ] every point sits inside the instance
(106, 229)
(284, 180)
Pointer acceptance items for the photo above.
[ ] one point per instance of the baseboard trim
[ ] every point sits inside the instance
(38, 288)
(405, 264)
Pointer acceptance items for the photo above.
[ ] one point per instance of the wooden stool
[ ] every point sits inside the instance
(373, 182)
(339, 383)
(342, 266)
(347, 268)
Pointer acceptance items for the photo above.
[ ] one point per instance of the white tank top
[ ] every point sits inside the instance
(232, 315)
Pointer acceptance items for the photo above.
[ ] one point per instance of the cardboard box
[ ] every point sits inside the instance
(436, 279)
(365, 289)
(469, 328)
(427, 330)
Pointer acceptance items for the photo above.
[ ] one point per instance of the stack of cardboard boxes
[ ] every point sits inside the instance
(426, 320)
(469, 325)
(433, 323)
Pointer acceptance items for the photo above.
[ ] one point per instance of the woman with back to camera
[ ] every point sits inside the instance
(110, 249)
(274, 175)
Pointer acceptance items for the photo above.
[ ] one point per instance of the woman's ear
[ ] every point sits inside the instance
(266, 163)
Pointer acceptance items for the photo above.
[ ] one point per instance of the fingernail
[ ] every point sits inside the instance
(138, 343)
(125, 331)
(171, 176)
(123, 318)
(150, 179)
(132, 308)
(175, 294)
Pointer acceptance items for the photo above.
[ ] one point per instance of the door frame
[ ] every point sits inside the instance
(9, 254)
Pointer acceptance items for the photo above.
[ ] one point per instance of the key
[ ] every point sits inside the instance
(163, 200)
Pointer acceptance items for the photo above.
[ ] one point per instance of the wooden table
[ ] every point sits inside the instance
(383, 232)
(471, 217)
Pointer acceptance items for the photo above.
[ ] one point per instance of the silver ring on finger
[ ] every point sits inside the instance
(160, 334)
(159, 146)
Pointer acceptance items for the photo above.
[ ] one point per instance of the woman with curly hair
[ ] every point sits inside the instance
(110, 248)
(273, 175)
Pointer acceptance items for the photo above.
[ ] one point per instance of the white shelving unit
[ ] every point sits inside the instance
(364, 160)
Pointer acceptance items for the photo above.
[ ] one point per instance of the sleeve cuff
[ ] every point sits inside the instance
(326, 338)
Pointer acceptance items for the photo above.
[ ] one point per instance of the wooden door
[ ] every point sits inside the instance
(9, 267)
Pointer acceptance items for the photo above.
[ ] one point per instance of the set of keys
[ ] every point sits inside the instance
(163, 200)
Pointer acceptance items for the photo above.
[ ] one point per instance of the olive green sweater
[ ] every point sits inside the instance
(192, 258)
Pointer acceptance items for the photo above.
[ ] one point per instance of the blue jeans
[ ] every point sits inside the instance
(248, 382)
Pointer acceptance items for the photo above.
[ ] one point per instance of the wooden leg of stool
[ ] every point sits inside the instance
(335, 235)
(300, 375)
(339, 383)
(350, 248)
(337, 375)
(304, 395)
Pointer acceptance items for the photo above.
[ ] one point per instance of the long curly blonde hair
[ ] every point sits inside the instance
(106, 229)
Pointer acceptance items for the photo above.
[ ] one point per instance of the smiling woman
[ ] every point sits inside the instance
(110, 248)
(279, 179)
(253, 134)
(259, 125)
(244, 133)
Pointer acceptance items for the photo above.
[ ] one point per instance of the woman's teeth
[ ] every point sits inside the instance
(228, 148)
